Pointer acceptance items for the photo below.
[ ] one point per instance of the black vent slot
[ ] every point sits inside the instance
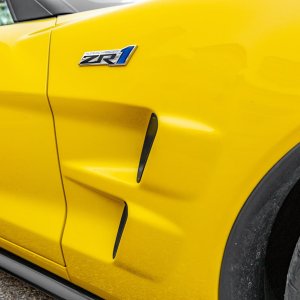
(149, 140)
(121, 229)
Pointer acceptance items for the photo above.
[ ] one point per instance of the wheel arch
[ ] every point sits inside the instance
(243, 266)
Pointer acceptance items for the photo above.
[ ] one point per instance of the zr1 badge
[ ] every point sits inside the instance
(110, 58)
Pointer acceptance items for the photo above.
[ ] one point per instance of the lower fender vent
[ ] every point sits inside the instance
(121, 229)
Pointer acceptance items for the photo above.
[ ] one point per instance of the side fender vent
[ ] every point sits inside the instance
(149, 140)
(121, 229)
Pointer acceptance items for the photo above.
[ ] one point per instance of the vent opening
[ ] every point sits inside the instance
(149, 140)
(121, 229)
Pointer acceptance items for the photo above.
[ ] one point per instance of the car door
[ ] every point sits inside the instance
(32, 200)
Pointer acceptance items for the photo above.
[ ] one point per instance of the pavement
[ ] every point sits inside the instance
(12, 288)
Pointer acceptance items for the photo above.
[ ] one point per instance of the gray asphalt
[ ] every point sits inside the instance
(12, 288)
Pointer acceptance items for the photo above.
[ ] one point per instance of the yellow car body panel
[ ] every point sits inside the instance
(32, 201)
(222, 77)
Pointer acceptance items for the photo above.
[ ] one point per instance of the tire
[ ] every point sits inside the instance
(292, 289)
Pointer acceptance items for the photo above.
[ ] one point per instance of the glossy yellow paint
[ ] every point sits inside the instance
(32, 201)
(223, 78)
(34, 258)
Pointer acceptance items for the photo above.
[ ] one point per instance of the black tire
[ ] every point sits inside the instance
(292, 289)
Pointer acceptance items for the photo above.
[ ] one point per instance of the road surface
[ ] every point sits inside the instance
(12, 288)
